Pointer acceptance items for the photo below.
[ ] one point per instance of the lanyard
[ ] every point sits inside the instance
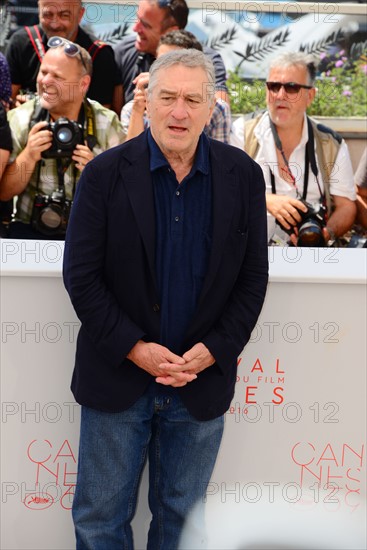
(305, 179)
(36, 40)
(310, 159)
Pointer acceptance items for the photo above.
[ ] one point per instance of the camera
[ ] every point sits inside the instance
(66, 134)
(311, 225)
(50, 214)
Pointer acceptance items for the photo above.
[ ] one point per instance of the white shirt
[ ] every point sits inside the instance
(341, 180)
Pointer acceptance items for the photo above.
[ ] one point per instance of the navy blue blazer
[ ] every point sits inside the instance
(109, 273)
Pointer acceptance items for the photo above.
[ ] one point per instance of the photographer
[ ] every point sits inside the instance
(310, 194)
(28, 45)
(49, 152)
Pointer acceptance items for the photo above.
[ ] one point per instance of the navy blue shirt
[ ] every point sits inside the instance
(183, 239)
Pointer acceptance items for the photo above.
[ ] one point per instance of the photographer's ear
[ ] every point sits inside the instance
(85, 83)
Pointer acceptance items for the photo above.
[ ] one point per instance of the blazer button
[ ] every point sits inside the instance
(156, 307)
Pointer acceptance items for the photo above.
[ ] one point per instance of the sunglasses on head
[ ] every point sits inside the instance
(289, 87)
(70, 48)
(165, 4)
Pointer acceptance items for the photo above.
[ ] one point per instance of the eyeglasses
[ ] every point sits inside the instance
(70, 48)
(290, 88)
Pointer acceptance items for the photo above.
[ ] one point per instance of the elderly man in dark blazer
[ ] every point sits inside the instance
(166, 266)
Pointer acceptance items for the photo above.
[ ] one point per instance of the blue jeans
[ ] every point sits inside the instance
(112, 453)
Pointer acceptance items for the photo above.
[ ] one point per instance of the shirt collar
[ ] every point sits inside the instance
(201, 163)
(263, 130)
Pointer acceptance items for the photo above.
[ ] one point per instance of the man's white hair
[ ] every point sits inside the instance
(187, 58)
(296, 59)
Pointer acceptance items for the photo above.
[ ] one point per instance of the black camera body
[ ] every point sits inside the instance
(311, 225)
(66, 134)
(50, 214)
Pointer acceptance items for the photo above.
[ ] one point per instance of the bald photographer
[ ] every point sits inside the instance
(54, 137)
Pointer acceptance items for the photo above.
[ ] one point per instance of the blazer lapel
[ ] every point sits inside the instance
(138, 184)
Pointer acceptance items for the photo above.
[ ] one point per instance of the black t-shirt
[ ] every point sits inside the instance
(24, 64)
(5, 133)
(130, 63)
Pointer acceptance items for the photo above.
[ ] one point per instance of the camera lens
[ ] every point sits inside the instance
(64, 135)
(51, 217)
(310, 234)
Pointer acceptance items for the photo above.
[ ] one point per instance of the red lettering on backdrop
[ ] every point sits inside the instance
(277, 368)
(337, 465)
(32, 451)
(69, 453)
(249, 393)
(277, 391)
(50, 462)
(258, 367)
(261, 380)
(328, 449)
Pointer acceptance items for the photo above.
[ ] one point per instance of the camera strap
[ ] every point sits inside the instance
(89, 124)
(62, 166)
(310, 160)
(310, 147)
(279, 146)
(36, 41)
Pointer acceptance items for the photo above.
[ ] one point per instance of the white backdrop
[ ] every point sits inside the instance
(294, 444)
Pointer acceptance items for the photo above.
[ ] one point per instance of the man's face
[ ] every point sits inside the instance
(287, 110)
(149, 26)
(179, 108)
(60, 17)
(60, 82)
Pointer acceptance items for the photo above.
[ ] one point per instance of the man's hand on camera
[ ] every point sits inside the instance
(81, 156)
(285, 209)
(39, 140)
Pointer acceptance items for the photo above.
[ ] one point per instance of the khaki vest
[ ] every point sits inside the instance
(327, 148)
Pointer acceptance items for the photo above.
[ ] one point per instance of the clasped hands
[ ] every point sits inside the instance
(168, 368)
